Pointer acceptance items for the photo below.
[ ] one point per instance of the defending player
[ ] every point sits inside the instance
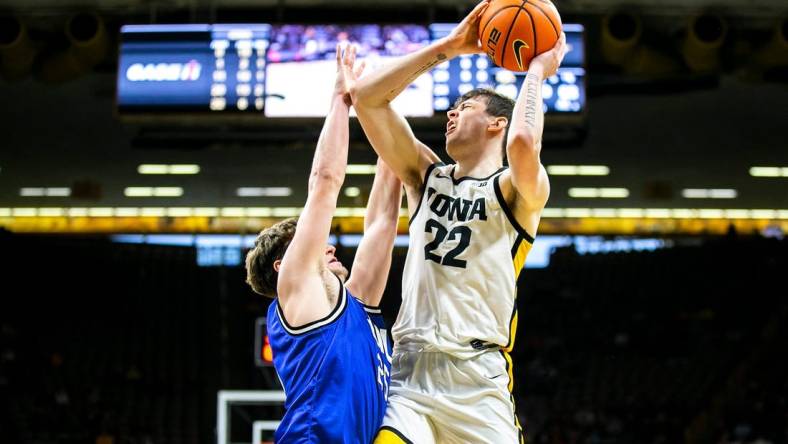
(472, 225)
(330, 346)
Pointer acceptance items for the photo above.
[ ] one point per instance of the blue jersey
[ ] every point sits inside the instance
(335, 372)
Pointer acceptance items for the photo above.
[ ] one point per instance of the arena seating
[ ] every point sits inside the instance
(113, 343)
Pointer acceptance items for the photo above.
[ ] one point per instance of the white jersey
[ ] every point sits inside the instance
(460, 279)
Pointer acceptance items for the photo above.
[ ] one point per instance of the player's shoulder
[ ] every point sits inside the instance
(276, 313)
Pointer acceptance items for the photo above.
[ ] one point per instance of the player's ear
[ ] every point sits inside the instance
(498, 123)
(277, 263)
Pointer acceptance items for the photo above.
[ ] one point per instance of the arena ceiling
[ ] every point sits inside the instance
(657, 138)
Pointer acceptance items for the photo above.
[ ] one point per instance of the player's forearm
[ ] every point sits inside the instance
(330, 161)
(383, 85)
(384, 200)
(527, 123)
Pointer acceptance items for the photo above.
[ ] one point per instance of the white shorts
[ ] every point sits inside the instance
(438, 398)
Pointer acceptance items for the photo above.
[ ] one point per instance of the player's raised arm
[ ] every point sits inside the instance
(373, 258)
(524, 142)
(302, 293)
(388, 132)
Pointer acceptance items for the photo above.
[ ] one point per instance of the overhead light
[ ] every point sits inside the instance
(605, 193)
(153, 169)
(48, 192)
(149, 168)
(264, 191)
(138, 192)
(737, 214)
(233, 212)
(184, 169)
(58, 192)
(77, 212)
(583, 192)
(100, 212)
(553, 212)
(32, 192)
(206, 212)
(603, 212)
(179, 212)
(613, 193)
(578, 212)
(352, 191)
(258, 212)
(24, 212)
(763, 214)
(631, 212)
(658, 213)
(286, 212)
(50, 212)
(360, 169)
(168, 192)
(768, 171)
(708, 213)
(702, 193)
(578, 170)
(153, 212)
(127, 212)
(153, 192)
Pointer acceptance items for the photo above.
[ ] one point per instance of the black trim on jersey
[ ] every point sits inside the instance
(424, 189)
(508, 212)
(335, 313)
(517, 243)
(511, 319)
(369, 308)
(396, 432)
(457, 181)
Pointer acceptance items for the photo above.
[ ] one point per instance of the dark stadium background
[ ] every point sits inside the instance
(107, 342)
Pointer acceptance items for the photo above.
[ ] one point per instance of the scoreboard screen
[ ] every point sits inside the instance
(302, 65)
(211, 68)
(562, 93)
(288, 70)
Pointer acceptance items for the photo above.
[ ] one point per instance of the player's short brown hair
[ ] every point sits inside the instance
(269, 246)
(498, 105)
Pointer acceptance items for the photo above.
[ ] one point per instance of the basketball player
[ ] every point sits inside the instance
(330, 347)
(471, 226)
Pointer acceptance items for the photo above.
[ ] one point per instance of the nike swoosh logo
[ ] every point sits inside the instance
(518, 45)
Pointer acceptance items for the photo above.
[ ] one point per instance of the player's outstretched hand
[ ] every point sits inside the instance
(464, 38)
(348, 71)
(546, 64)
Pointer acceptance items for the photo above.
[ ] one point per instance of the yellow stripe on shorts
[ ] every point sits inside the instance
(388, 435)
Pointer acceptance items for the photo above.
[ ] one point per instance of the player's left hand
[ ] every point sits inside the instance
(348, 72)
(546, 64)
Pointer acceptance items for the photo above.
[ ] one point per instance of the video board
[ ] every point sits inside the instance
(288, 70)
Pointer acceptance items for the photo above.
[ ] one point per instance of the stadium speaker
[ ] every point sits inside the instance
(775, 52)
(88, 45)
(17, 51)
(621, 32)
(622, 45)
(701, 46)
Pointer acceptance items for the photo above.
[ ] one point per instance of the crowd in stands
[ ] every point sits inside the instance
(110, 343)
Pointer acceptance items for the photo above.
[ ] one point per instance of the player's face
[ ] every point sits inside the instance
(467, 125)
(333, 264)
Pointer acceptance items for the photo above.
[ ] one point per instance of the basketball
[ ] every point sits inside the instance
(513, 32)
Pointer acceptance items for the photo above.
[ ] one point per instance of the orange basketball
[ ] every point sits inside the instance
(513, 32)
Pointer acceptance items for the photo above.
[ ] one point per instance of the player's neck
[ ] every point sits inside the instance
(332, 285)
(478, 167)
